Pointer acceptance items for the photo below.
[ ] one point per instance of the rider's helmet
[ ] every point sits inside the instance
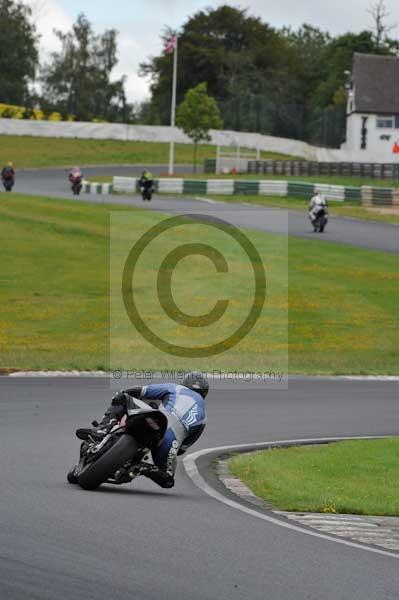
(75, 172)
(197, 382)
(9, 164)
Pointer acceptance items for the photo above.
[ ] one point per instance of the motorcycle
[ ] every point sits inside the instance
(116, 457)
(8, 182)
(320, 221)
(76, 185)
(146, 192)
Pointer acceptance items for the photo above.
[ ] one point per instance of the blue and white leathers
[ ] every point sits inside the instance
(186, 414)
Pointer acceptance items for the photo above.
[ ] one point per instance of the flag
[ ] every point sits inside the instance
(170, 45)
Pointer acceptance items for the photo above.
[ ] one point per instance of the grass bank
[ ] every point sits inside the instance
(38, 152)
(354, 477)
(54, 293)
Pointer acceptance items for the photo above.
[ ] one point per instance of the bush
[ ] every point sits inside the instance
(9, 111)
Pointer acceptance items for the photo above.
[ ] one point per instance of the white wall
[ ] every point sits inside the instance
(377, 150)
(149, 134)
(62, 129)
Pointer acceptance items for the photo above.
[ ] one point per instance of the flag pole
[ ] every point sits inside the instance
(173, 111)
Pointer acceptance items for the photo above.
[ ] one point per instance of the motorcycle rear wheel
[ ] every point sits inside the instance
(95, 473)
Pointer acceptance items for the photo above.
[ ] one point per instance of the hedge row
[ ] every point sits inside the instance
(9, 111)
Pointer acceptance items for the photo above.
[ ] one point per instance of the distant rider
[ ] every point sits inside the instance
(75, 175)
(185, 408)
(317, 202)
(146, 180)
(8, 173)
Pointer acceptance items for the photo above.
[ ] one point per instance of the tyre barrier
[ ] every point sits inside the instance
(366, 195)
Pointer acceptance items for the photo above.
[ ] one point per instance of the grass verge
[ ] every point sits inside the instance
(37, 152)
(54, 293)
(353, 477)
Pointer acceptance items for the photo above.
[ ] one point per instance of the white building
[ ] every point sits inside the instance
(373, 109)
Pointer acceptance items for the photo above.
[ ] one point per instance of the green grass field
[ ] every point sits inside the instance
(37, 152)
(54, 288)
(354, 477)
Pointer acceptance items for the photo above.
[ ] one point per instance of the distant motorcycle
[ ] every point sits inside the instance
(76, 185)
(76, 179)
(116, 457)
(146, 192)
(8, 182)
(320, 220)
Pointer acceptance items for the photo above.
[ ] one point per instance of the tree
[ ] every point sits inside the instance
(284, 83)
(379, 13)
(18, 51)
(78, 79)
(236, 54)
(196, 115)
(307, 67)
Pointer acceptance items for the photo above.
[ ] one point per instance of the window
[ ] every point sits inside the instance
(385, 122)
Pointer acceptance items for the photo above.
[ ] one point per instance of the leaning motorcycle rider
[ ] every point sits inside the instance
(316, 203)
(185, 408)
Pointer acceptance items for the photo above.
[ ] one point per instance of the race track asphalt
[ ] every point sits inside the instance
(60, 542)
(362, 234)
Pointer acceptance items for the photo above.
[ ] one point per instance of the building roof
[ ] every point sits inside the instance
(376, 82)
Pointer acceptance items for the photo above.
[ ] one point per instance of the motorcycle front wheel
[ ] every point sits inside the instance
(95, 473)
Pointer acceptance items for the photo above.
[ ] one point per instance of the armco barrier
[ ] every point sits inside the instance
(246, 187)
(241, 187)
(353, 193)
(303, 190)
(194, 186)
(383, 197)
(125, 184)
(368, 196)
(97, 188)
(273, 188)
(220, 186)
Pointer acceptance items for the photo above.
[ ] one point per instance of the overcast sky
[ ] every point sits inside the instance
(140, 22)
